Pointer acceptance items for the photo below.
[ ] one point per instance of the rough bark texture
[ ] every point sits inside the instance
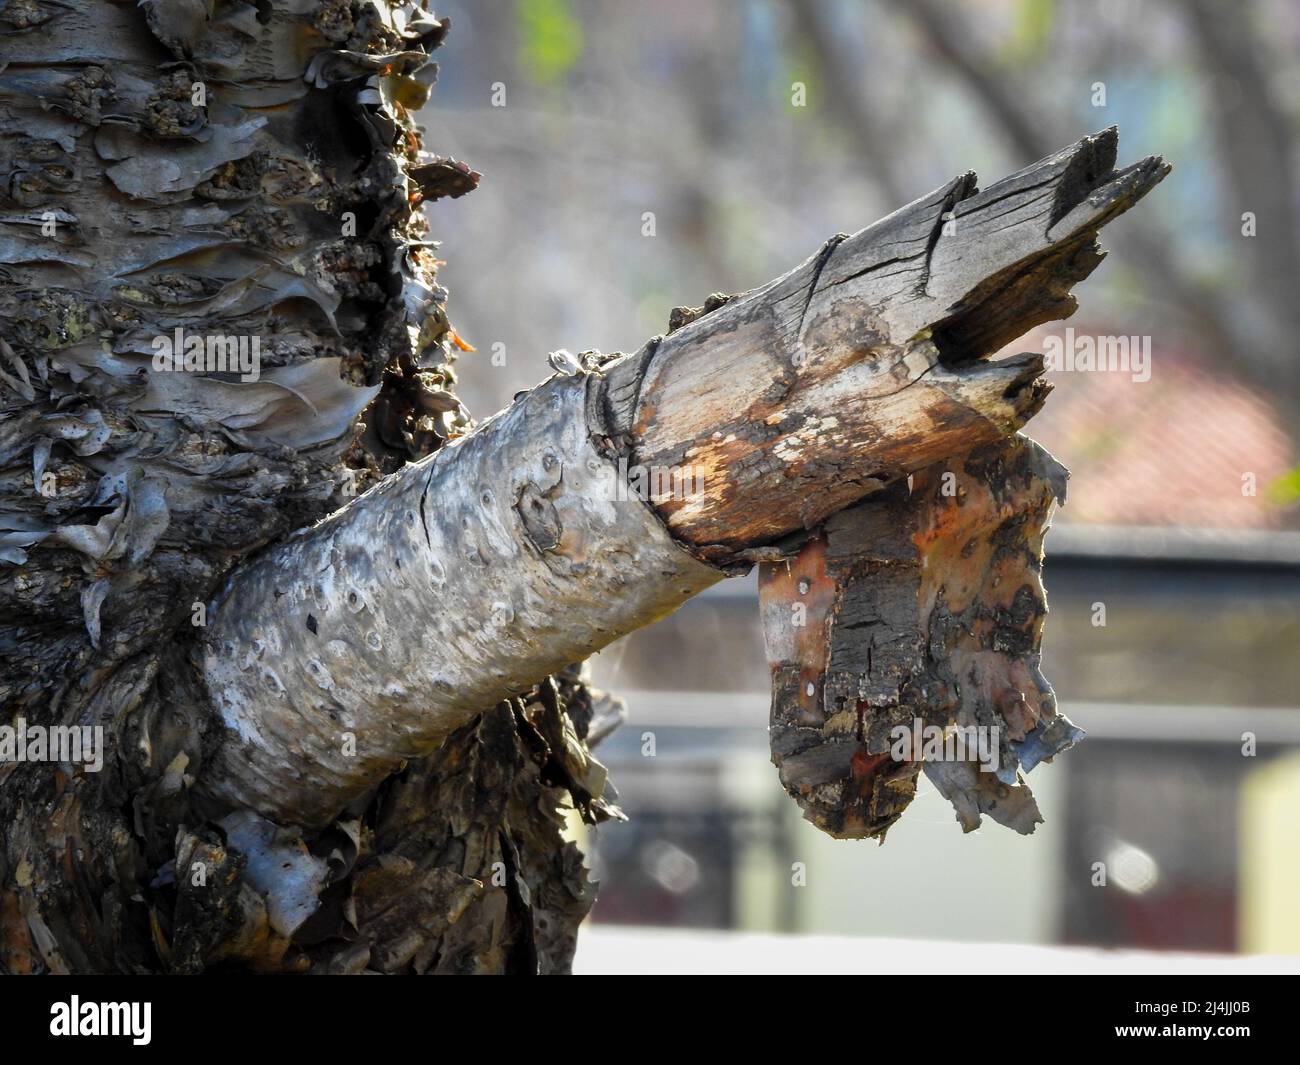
(234, 824)
(924, 608)
(285, 206)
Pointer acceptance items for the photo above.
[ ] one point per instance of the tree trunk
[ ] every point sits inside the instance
(349, 747)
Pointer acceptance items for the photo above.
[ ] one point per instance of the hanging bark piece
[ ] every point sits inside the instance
(906, 621)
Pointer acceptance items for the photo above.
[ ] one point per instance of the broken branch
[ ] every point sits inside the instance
(366, 639)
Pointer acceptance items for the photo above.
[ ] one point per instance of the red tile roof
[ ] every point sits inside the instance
(1171, 450)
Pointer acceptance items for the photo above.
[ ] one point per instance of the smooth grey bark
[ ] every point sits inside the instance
(369, 638)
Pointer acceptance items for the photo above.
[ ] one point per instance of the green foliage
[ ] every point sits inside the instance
(550, 39)
(1284, 491)
(1032, 27)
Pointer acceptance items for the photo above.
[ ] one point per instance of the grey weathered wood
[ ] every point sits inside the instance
(863, 364)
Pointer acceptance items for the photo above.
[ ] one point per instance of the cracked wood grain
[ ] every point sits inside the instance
(793, 394)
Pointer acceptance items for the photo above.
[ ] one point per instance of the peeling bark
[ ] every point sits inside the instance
(920, 610)
(281, 202)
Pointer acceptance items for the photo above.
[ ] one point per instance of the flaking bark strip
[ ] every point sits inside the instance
(922, 607)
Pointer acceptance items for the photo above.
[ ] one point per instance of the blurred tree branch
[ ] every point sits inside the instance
(1255, 141)
(1200, 307)
(847, 102)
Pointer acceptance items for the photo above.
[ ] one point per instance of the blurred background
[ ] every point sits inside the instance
(637, 157)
